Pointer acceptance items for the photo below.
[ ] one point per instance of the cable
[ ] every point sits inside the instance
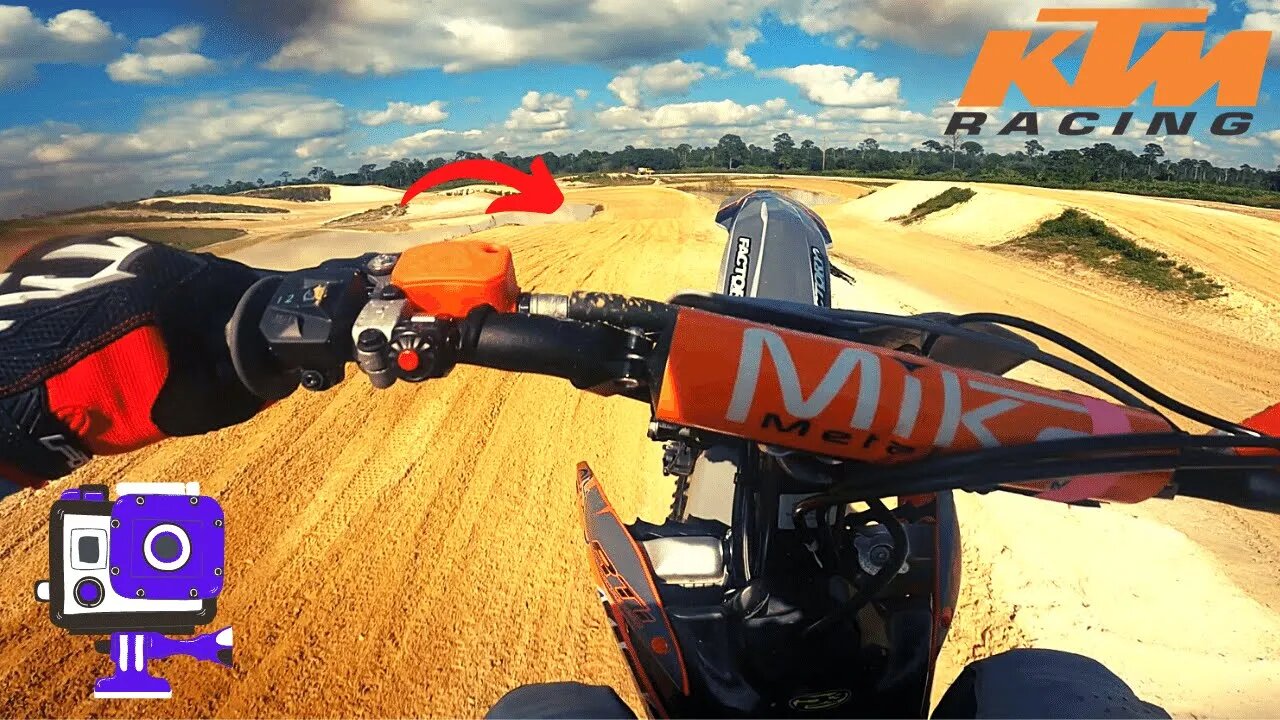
(1047, 470)
(1106, 364)
(1071, 447)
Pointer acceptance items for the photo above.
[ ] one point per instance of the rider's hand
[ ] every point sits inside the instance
(109, 343)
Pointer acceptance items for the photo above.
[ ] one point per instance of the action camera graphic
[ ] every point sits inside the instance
(148, 565)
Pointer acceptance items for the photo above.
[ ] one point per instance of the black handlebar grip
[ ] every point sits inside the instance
(251, 356)
(586, 355)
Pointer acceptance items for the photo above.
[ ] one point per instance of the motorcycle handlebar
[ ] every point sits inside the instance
(585, 355)
(299, 330)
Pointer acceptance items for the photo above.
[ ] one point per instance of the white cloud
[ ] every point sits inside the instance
(1264, 15)
(883, 113)
(403, 112)
(953, 27)
(168, 56)
(318, 147)
(386, 36)
(582, 93)
(427, 141)
(664, 79)
(691, 114)
(205, 139)
(841, 86)
(541, 111)
(74, 36)
(736, 56)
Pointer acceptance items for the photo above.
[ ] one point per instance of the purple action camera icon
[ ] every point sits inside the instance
(147, 565)
(167, 547)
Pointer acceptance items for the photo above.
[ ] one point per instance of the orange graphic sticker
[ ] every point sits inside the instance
(860, 402)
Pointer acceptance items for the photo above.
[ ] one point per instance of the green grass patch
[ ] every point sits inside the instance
(186, 238)
(205, 207)
(948, 198)
(305, 193)
(1078, 237)
(604, 179)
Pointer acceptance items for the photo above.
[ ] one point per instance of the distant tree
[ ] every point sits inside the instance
(933, 146)
(1034, 147)
(1151, 154)
(868, 145)
(366, 172)
(971, 148)
(682, 153)
(731, 148)
(783, 150)
(284, 176)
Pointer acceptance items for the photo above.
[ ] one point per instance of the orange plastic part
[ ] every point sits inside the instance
(1266, 422)
(847, 400)
(453, 278)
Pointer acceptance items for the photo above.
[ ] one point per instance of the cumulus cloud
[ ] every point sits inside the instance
(664, 79)
(953, 27)
(428, 141)
(318, 147)
(409, 114)
(541, 111)
(168, 56)
(736, 56)
(884, 113)
(387, 36)
(74, 36)
(203, 139)
(691, 114)
(1264, 15)
(839, 85)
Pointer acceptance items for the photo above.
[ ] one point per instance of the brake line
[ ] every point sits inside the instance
(1102, 362)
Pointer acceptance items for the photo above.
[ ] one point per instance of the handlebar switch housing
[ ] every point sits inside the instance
(423, 348)
(307, 323)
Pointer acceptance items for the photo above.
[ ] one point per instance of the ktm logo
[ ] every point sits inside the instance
(1176, 65)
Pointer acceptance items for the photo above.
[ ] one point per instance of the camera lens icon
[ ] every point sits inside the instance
(89, 592)
(166, 547)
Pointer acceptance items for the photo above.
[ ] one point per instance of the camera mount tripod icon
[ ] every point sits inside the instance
(148, 565)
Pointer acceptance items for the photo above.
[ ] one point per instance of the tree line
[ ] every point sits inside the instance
(1102, 164)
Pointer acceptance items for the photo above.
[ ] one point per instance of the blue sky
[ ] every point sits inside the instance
(112, 100)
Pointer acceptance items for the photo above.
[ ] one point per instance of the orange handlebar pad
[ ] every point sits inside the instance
(453, 278)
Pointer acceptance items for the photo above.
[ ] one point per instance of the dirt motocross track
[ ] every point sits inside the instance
(417, 551)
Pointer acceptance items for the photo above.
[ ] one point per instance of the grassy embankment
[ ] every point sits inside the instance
(1078, 238)
(942, 201)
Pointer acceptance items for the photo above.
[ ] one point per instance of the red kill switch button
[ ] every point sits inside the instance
(408, 360)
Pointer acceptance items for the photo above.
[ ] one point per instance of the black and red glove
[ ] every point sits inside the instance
(109, 343)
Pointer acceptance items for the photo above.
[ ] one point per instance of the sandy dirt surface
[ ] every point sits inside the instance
(417, 551)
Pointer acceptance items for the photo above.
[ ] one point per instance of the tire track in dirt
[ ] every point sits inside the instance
(408, 552)
(418, 551)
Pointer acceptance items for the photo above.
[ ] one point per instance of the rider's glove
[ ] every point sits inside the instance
(109, 343)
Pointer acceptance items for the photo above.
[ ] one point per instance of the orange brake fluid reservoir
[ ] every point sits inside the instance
(452, 278)
(860, 402)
